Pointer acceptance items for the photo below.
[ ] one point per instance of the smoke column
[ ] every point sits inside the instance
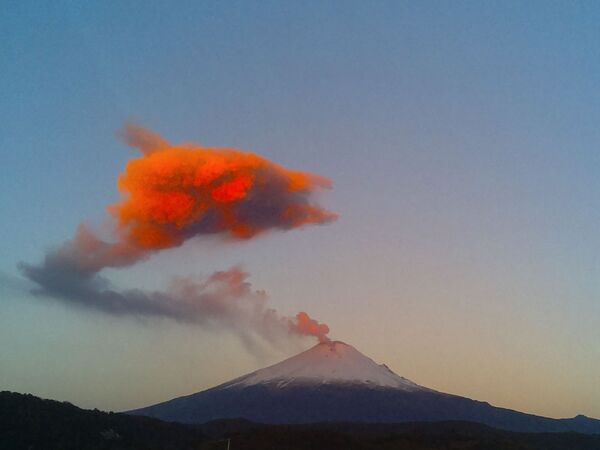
(171, 194)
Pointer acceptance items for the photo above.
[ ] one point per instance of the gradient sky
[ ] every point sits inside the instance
(462, 139)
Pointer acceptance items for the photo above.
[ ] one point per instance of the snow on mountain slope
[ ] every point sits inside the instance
(327, 363)
(333, 382)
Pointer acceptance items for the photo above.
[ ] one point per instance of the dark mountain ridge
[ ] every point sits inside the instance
(30, 423)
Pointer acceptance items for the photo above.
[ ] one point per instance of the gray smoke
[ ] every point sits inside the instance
(225, 300)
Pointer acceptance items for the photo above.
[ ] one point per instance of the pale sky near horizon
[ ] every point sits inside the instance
(462, 140)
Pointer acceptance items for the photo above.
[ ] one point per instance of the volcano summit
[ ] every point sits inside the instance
(328, 363)
(333, 381)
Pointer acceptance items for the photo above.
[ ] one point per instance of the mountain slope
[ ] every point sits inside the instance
(327, 364)
(333, 382)
(30, 423)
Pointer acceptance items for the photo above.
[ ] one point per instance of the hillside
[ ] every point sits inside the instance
(30, 423)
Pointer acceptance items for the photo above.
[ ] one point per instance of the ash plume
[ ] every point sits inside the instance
(225, 300)
(171, 194)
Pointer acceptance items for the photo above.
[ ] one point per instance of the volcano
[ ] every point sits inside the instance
(334, 382)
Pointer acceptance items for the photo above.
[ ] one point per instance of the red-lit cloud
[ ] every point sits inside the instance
(172, 193)
(307, 326)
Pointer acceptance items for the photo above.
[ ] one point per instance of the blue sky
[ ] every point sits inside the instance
(461, 138)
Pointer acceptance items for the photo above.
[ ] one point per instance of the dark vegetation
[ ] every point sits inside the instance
(409, 436)
(30, 423)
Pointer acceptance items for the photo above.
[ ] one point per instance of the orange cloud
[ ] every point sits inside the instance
(306, 326)
(172, 193)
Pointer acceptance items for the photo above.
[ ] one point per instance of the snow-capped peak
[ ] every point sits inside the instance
(327, 363)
